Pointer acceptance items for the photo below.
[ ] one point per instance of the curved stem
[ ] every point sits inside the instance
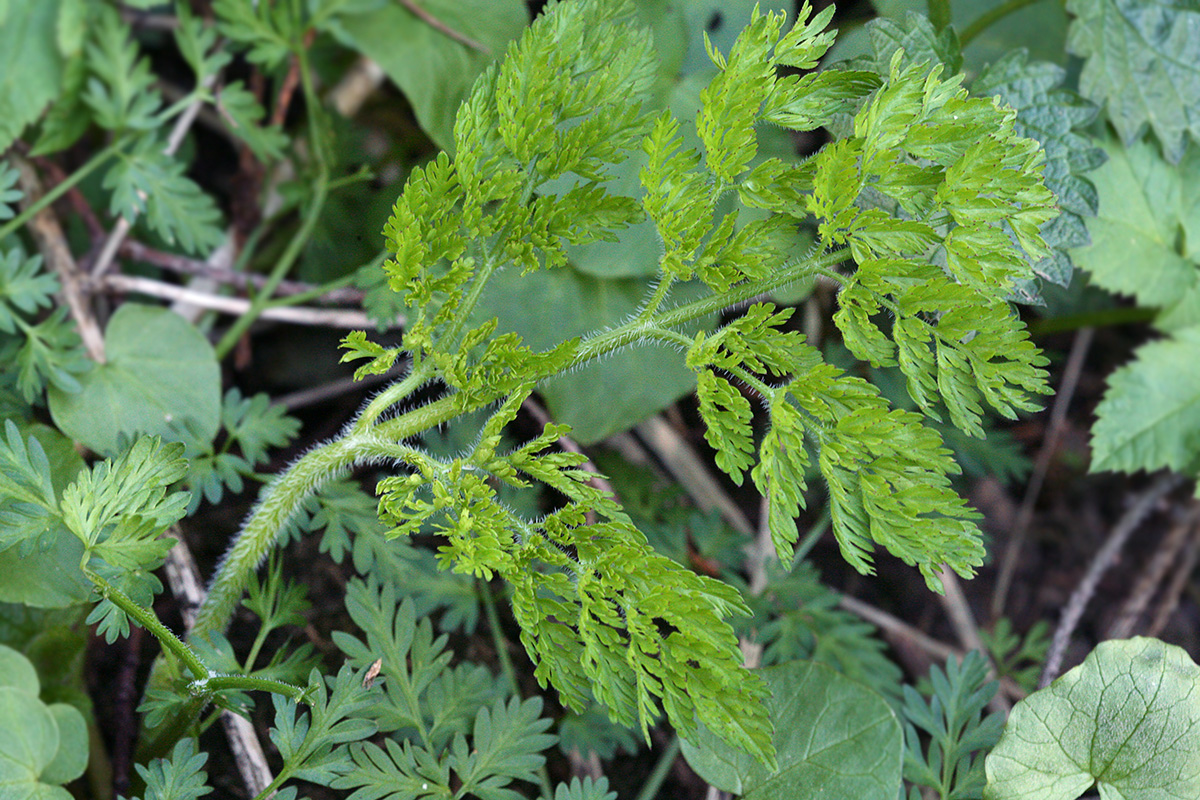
(939, 13)
(991, 17)
(249, 683)
(790, 272)
(93, 163)
(661, 769)
(389, 397)
(148, 620)
(281, 500)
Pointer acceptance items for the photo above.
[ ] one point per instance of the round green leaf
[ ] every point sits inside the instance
(1126, 719)
(72, 756)
(833, 738)
(159, 369)
(45, 578)
(16, 672)
(28, 740)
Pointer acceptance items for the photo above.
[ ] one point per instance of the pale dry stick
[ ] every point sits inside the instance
(184, 579)
(686, 467)
(1096, 569)
(1170, 597)
(1165, 556)
(900, 629)
(897, 627)
(967, 630)
(235, 306)
(52, 244)
(108, 252)
(438, 25)
(183, 265)
(359, 82)
(1058, 418)
(303, 398)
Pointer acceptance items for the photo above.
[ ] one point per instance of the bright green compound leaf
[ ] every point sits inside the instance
(1142, 64)
(1146, 236)
(434, 71)
(1150, 415)
(159, 369)
(611, 395)
(1051, 115)
(1127, 719)
(833, 738)
(30, 66)
(40, 745)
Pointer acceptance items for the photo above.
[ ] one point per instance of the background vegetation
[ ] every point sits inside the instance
(192, 204)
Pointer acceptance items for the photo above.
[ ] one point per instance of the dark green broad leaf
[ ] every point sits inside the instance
(610, 395)
(1126, 720)
(1150, 415)
(1040, 28)
(1142, 63)
(434, 71)
(159, 369)
(1146, 234)
(30, 65)
(1051, 115)
(833, 738)
(41, 746)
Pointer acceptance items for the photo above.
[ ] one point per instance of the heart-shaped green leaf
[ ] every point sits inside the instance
(1127, 719)
(159, 369)
(833, 738)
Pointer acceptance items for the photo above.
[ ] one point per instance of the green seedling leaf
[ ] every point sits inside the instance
(179, 778)
(833, 738)
(39, 555)
(159, 369)
(30, 66)
(434, 71)
(1142, 64)
(147, 180)
(1150, 415)
(1127, 720)
(1146, 235)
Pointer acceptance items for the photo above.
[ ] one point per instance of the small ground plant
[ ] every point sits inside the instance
(929, 210)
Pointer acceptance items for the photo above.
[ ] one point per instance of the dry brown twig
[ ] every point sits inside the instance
(1073, 611)
(52, 243)
(1058, 418)
(1166, 555)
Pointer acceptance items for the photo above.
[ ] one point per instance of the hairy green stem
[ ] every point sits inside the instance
(280, 501)
(939, 13)
(790, 272)
(93, 163)
(389, 397)
(662, 768)
(991, 17)
(149, 620)
(249, 683)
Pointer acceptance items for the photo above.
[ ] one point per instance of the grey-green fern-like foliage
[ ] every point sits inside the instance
(923, 286)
